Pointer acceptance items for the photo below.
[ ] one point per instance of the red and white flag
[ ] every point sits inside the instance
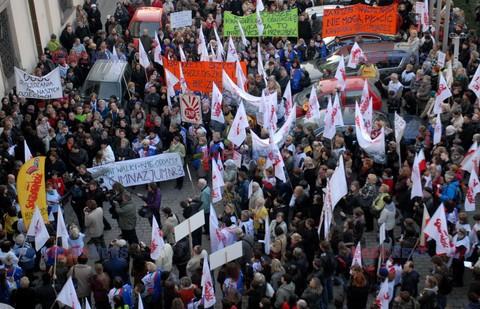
(269, 112)
(366, 107)
(216, 242)
(424, 18)
(237, 159)
(357, 256)
(143, 59)
(242, 34)
(216, 110)
(437, 133)
(437, 230)
(217, 183)
(313, 110)
(275, 158)
(237, 133)
(172, 80)
(208, 293)
(220, 163)
(183, 82)
(62, 229)
(375, 148)
(383, 298)
(220, 49)
(327, 213)
(443, 93)
(157, 54)
(475, 83)
(341, 75)
(472, 191)
(241, 79)
(356, 55)
(232, 54)
(287, 96)
(339, 182)
(425, 219)
(471, 159)
(183, 58)
(28, 153)
(68, 295)
(333, 118)
(202, 46)
(441, 60)
(157, 242)
(38, 229)
(416, 178)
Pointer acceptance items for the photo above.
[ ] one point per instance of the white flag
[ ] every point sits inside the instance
(275, 158)
(357, 256)
(269, 112)
(475, 83)
(172, 80)
(202, 45)
(183, 58)
(441, 59)
(237, 159)
(28, 153)
(472, 191)
(437, 134)
(217, 183)
(471, 159)
(116, 67)
(62, 229)
(383, 298)
(208, 293)
(287, 96)
(443, 93)
(143, 60)
(237, 133)
(220, 50)
(356, 55)
(216, 242)
(157, 54)
(140, 302)
(244, 39)
(437, 230)
(157, 242)
(183, 82)
(220, 163)
(38, 229)
(87, 305)
(340, 75)
(232, 54)
(400, 125)
(266, 240)
(250, 188)
(327, 212)
(425, 219)
(416, 178)
(260, 26)
(216, 110)
(382, 233)
(241, 79)
(260, 68)
(366, 107)
(339, 183)
(68, 295)
(313, 110)
(425, 20)
(260, 6)
(375, 148)
(333, 118)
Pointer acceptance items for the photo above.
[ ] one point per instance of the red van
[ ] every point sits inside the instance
(150, 18)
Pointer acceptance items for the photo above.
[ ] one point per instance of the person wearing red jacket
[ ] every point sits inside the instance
(157, 3)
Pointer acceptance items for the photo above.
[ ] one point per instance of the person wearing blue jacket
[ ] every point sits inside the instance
(449, 188)
(296, 76)
(290, 55)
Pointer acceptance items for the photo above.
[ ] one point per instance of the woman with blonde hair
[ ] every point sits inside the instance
(277, 272)
(428, 298)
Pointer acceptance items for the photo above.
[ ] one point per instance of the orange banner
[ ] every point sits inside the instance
(199, 75)
(31, 189)
(360, 18)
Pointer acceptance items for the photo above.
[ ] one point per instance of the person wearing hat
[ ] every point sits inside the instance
(457, 155)
(94, 18)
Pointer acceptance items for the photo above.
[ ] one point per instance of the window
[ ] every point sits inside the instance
(66, 9)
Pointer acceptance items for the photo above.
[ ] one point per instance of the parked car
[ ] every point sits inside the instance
(150, 18)
(413, 122)
(389, 57)
(352, 93)
(346, 40)
(105, 80)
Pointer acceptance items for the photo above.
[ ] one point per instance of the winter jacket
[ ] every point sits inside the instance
(387, 216)
(127, 216)
(428, 299)
(168, 227)
(206, 199)
(357, 297)
(94, 222)
(283, 294)
(83, 274)
(410, 304)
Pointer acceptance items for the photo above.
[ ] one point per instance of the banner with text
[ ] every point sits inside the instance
(199, 75)
(284, 23)
(35, 87)
(140, 171)
(360, 18)
(181, 19)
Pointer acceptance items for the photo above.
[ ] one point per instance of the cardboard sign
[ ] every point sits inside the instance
(226, 255)
(190, 107)
(189, 225)
(181, 19)
(360, 18)
(199, 75)
(284, 23)
(419, 6)
(34, 87)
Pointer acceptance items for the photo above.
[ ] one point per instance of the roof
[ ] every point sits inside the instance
(353, 82)
(102, 70)
(374, 47)
(148, 14)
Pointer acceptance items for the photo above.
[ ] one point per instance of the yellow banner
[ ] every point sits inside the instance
(31, 189)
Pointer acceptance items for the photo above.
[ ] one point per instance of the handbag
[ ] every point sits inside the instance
(145, 212)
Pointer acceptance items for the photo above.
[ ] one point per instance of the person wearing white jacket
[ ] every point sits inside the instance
(387, 216)
(108, 155)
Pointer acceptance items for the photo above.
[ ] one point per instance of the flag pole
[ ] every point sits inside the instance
(19, 256)
(190, 178)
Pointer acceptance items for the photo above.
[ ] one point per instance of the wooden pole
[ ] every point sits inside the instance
(190, 178)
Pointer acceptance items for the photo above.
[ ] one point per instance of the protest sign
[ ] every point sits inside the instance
(34, 87)
(190, 107)
(200, 75)
(140, 171)
(225, 255)
(181, 19)
(189, 225)
(360, 18)
(284, 23)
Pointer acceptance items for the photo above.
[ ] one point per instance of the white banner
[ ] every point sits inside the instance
(181, 19)
(140, 171)
(375, 148)
(34, 87)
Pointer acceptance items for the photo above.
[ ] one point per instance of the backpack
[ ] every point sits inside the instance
(458, 197)
(446, 284)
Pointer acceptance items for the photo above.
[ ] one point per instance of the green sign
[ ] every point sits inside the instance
(276, 24)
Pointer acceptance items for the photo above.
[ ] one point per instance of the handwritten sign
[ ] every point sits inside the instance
(181, 19)
(34, 87)
(200, 75)
(140, 171)
(360, 18)
(284, 23)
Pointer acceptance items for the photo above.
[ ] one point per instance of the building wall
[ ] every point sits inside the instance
(49, 18)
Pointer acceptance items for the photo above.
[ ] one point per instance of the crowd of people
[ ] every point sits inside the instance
(303, 265)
